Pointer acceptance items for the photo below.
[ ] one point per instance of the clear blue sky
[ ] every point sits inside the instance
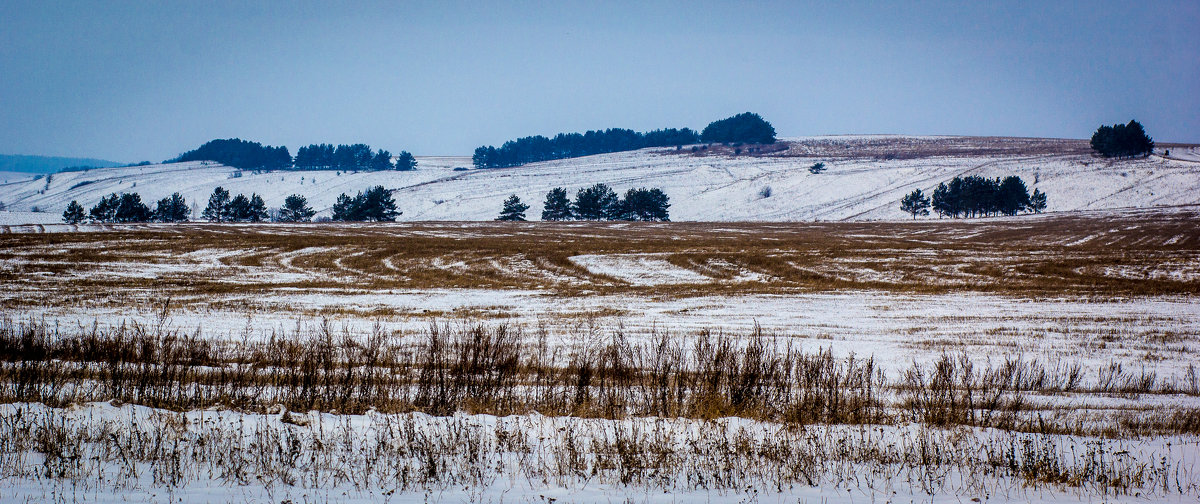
(147, 80)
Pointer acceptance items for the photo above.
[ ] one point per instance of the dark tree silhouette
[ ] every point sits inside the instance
(557, 206)
(131, 209)
(406, 161)
(295, 209)
(1122, 140)
(172, 208)
(598, 202)
(645, 205)
(915, 203)
(746, 127)
(1037, 202)
(218, 206)
(240, 153)
(106, 209)
(375, 204)
(513, 209)
(568, 145)
(74, 213)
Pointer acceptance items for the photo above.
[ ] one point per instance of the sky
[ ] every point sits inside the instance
(132, 81)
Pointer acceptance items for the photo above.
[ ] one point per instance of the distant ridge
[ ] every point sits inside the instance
(48, 164)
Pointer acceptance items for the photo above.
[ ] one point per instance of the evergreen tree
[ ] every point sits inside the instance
(344, 209)
(131, 209)
(74, 213)
(746, 127)
(375, 204)
(596, 203)
(513, 209)
(239, 154)
(382, 161)
(1013, 195)
(645, 205)
(256, 211)
(941, 200)
(106, 209)
(915, 203)
(557, 206)
(295, 209)
(238, 209)
(218, 206)
(1037, 202)
(406, 161)
(1122, 140)
(816, 168)
(173, 208)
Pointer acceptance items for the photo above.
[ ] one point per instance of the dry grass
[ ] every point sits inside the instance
(498, 369)
(1133, 254)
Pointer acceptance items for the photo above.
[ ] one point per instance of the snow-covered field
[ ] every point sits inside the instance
(866, 177)
(1047, 358)
(100, 453)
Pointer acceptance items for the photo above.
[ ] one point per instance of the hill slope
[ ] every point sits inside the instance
(866, 177)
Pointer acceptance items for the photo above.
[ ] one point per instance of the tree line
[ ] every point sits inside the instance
(598, 202)
(374, 204)
(248, 155)
(976, 196)
(744, 128)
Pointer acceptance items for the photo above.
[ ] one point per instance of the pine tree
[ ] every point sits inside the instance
(941, 200)
(295, 209)
(1121, 140)
(239, 208)
(513, 209)
(406, 161)
(171, 209)
(218, 206)
(131, 209)
(816, 168)
(74, 213)
(382, 161)
(557, 206)
(645, 205)
(106, 209)
(344, 209)
(1013, 195)
(915, 203)
(1037, 202)
(256, 211)
(596, 203)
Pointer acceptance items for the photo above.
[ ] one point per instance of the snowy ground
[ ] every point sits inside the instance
(866, 177)
(100, 453)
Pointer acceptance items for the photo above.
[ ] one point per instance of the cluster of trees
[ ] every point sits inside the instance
(976, 196)
(240, 153)
(374, 204)
(600, 202)
(742, 128)
(351, 158)
(568, 145)
(222, 208)
(128, 207)
(1122, 140)
(255, 156)
(746, 127)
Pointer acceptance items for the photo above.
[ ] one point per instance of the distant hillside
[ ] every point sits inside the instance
(48, 164)
(864, 179)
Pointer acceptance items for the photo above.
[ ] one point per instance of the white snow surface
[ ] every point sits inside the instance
(322, 457)
(701, 188)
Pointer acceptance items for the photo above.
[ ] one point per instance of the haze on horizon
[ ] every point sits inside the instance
(132, 81)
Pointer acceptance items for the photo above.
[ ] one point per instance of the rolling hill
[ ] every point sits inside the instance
(865, 178)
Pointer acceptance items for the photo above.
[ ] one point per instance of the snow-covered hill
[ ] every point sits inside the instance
(865, 178)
